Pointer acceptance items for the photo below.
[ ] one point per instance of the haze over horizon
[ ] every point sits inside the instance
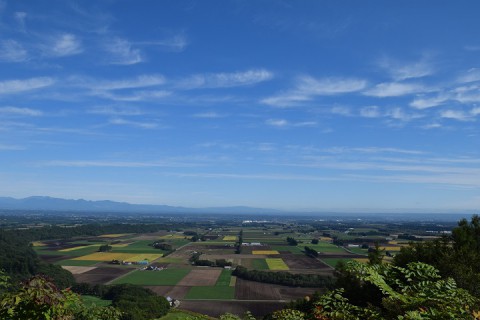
(312, 105)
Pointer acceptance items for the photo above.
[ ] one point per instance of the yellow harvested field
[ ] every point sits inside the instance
(233, 281)
(79, 247)
(326, 239)
(173, 236)
(276, 264)
(390, 248)
(109, 256)
(38, 244)
(113, 235)
(265, 252)
(362, 260)
(120, 245)
(230, 238)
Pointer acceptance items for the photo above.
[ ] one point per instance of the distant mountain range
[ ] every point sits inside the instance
(58, 204)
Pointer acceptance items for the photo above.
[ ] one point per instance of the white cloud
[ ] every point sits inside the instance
(306, 88)
(475, 111)
(136, 96)
(138, 82)
(424, 103)
(340, 110)
(122, 52)
(400, 114)
(116, 110)
(12, 51)
(225, 80)
(15, 111)
(400, 71)
(143, 125)
(8, 147)
(393, 89)
(16, 86)
(176, 43)
(209, 115)
(370, 112)
(65, 45)
(455, 114)
(471, 75)
(277, 122)
(432, 126)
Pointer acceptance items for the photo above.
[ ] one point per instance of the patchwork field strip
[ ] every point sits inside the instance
(201, 277)
(78, 270)
(114, 235)
(266, 252)
(276, 264)
(109, 256)
(78, 247)
(229, 238)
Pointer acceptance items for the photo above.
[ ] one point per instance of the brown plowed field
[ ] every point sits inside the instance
(303, 262)
(251, 290)
(201, 277)
(175, 292)
(101, 275)
(217, 308)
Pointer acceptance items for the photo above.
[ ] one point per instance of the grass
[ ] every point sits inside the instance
(325, 247)
(92, 300)
(224, 278)
(82, 251)
(140, 246)
(276, 264)
(77, 263)
(291, 249)
(358, 250)
(213, 293)
(260, 264)
(167, 277)
(174, 236)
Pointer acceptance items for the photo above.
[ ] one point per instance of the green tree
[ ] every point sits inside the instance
(38, 298)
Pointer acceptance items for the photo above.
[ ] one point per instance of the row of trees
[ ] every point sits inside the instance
(283, 278)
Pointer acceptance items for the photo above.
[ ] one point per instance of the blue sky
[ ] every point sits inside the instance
(295, 105)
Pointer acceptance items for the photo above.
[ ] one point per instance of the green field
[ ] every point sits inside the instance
(214, 293)
(92, 300)
(224, 278)
(259, 264)
(140, 246)
(79, 263)
(325, 247)
(167, 277)
(291, 249)
(332, 262)
(358, 250)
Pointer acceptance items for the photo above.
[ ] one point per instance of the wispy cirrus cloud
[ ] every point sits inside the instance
(140, 81)
(116, 110)
(16, 86)
(122, 52)
(370, 112)
(459, 115)
(12, 51)
(176, 43)
(423, 102)
(138, 124)
(209, 115)
(472, 75)
(16, 111)
(64, 45)
(307, 88)
(283, 123)
(394, 89)
(401, 71)
(142, 95)
(225, 80)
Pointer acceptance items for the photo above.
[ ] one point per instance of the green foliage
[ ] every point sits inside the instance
(414, 292)
(229, 316)
(457, 256)
(291, 241)
(137, 303)
(314, 241)
(104, 248)
(375, 255)
(39, 298)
